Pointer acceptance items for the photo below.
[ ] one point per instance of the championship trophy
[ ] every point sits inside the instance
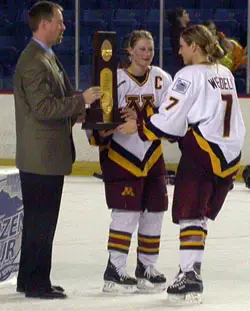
(104, 113)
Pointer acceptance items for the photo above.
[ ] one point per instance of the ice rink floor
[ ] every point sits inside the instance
(80, 257)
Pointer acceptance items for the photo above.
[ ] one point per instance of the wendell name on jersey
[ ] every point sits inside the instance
(145, 95)
(202, 98)
(222, 83)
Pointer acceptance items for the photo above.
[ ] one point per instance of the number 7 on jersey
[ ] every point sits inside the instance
(228, 100)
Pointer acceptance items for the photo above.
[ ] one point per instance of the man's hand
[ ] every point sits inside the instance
(92, 94)
(128, 128)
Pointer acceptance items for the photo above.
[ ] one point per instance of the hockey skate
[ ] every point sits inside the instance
(149, 279)
(187, 287)
(118, 281)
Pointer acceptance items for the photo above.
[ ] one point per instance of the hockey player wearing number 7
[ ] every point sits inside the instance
(202, 112)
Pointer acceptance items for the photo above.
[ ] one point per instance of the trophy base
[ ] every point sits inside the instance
(100, 125)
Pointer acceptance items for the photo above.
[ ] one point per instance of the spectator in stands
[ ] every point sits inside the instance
(179, 20)
(134, 173)
(45, 111)
(233, 55)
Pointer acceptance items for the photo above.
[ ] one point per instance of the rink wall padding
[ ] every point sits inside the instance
(87, 156)
(88, 168)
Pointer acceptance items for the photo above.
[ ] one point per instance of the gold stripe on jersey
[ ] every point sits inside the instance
(148, 102)
(135, 80)
(132, 167)
(215, 160)
(149, 134)
(92, 141)
(149, 111)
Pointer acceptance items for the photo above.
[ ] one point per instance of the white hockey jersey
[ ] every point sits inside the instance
(130, 151)
(203, 97)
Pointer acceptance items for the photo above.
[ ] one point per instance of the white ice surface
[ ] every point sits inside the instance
(80, 257)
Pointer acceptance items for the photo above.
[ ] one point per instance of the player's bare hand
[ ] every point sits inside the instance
(92, 94)
(128, 128)
(128, 114)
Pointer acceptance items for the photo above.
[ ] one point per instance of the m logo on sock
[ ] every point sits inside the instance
(128, 191)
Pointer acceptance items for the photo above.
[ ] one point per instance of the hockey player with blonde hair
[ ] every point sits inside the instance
(134, 173)
(202, 112)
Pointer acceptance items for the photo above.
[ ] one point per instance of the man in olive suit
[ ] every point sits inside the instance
(45, 110)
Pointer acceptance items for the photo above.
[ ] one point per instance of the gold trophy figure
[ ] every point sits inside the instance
(104, 113)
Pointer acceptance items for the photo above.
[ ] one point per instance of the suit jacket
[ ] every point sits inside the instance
(45, 109)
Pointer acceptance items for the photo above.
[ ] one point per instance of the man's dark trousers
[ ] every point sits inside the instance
(41, 201)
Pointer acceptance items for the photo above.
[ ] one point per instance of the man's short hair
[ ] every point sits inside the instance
(41, 10)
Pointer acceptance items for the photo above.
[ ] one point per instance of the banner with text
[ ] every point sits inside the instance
(11, 222)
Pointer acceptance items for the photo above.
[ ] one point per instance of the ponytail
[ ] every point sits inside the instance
(214, 51)
(205, 40)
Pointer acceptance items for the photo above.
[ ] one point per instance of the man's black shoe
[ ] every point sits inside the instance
(21, 289)
(51, 294)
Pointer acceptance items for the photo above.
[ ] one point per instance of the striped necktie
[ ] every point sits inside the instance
(60, 73)
(56, 67)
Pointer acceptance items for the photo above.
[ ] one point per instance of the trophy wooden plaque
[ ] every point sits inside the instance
(104, 113)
